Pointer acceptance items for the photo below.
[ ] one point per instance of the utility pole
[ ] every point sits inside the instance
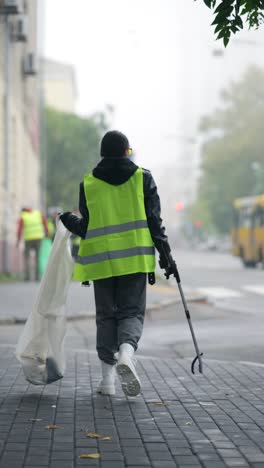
(7, 132)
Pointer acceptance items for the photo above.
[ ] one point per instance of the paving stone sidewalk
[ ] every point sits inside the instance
(214, 420)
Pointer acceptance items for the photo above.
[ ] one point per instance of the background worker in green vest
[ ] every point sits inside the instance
(32, 225)
(51, 228)
(120, 226)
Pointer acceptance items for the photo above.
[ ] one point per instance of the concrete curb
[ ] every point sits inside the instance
(155, 307)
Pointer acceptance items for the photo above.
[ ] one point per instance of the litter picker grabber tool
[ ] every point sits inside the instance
(174, 270)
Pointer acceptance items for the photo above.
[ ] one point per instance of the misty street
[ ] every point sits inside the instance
(223, 279)
(228, 321)
(229, 326)
(131, 150)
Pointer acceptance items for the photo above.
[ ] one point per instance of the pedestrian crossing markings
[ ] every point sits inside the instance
(224, 293)
(219, 292)
(256, 289)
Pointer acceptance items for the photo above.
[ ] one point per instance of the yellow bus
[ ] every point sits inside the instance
(248, 230)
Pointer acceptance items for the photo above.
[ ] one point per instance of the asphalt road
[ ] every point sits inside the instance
(18, 299)
(218, 276)
(228, 327)
(223, 279)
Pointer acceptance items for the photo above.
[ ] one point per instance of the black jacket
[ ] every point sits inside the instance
(116, 172)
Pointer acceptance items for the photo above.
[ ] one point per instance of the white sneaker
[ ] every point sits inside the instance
(127, 372)
(107, 384)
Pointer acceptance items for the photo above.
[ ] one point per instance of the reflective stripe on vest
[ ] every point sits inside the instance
(114, 254)
(91, 233)
(118, 240)
(33, 228)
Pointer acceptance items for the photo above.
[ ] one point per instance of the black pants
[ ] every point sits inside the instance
(29, 246)
(120, 309)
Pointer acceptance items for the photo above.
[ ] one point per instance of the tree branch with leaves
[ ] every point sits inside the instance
(230, 16)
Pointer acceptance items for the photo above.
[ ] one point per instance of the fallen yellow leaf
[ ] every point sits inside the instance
(90, 455)
(106, 438)
(52, 426)
(159, 403)
(93, 435)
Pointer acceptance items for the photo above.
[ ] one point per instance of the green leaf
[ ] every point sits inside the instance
(222, 16)
(226, 39)
(239, 22)
(237, 7)
(209, 3)
(224, 6)
(221, 34)
(218, 28)
(234, 28)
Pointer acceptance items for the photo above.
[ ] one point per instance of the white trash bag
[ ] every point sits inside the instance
(40, 348)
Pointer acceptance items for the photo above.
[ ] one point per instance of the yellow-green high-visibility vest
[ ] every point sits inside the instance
(118, 240)
(33, 228)
(51, 228)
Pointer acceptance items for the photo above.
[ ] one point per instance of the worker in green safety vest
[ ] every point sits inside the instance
(119, 227)
(32, 227)
(51, 228)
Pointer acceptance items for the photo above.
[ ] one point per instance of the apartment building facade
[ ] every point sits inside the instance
(59, 85)
(20, 163)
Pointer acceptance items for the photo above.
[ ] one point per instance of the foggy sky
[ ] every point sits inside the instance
(150, 59)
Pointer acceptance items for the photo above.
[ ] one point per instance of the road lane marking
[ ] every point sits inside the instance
(219, 292)
(256, 289)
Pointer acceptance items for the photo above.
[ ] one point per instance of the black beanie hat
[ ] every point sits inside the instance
(114, 144)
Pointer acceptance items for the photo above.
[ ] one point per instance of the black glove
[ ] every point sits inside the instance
(167, 263)
(64, 218)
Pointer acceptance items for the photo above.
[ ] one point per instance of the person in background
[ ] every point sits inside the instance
(120, 226)
(51, 228)
(32, 227)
